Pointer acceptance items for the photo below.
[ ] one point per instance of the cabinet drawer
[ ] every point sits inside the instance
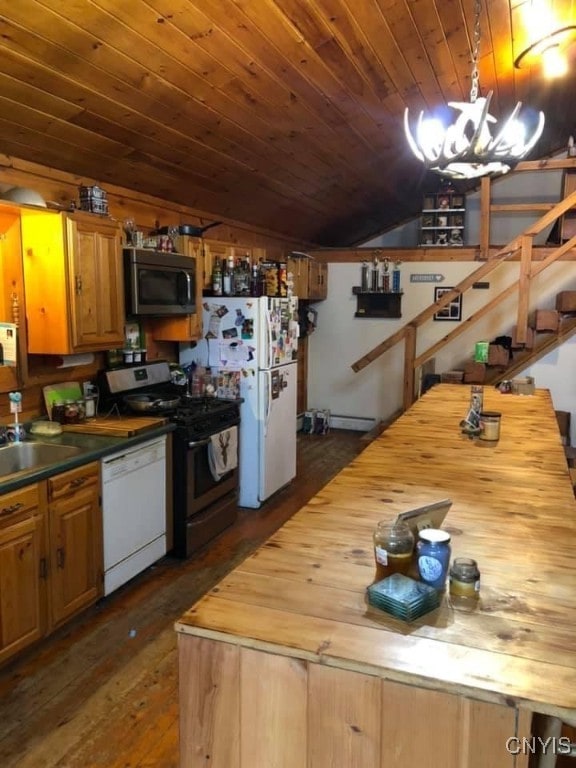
(19, 501)
(73, 481)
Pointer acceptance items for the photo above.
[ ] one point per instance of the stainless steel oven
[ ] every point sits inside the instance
(203, 505)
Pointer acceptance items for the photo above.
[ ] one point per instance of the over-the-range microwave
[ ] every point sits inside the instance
(159, 283)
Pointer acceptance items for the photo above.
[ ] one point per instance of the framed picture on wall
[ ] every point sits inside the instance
(453, 310)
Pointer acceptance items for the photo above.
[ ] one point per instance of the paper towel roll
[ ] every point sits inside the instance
(69, 361)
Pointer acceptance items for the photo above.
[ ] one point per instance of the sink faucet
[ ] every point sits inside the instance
(16, 432)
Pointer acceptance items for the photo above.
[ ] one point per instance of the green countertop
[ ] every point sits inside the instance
(94, 447)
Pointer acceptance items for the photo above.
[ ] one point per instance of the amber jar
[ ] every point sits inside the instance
(464, 579)
(393, 548)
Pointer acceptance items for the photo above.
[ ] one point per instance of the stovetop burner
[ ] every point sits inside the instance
(199, 417)
(195, 417)
(192, 408)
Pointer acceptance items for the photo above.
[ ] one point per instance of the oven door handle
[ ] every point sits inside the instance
(198, 443)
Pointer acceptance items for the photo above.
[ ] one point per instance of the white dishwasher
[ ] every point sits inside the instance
(133, 511)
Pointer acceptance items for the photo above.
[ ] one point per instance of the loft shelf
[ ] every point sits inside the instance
(442, 220)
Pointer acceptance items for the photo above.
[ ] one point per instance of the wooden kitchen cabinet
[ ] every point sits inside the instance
(310, 278)
(75, 540)
(74, 282)
(23, 569)
(51, 558)
(317, 280)
(184, 327)
(12, 295)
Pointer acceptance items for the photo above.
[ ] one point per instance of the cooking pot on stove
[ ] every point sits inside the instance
(151, 402)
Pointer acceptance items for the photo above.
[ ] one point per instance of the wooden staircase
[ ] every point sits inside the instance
(531, 265)
(522, 357)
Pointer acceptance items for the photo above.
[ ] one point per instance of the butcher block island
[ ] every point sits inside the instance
(284, 663)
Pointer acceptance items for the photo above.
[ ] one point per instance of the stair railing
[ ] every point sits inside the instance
(522, 244)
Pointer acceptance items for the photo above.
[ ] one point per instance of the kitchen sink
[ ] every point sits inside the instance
(19, 457)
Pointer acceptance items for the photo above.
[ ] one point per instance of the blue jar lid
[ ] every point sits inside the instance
(434, 535)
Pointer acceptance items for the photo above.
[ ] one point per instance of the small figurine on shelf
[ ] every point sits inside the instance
(396, 277)
(455, 237)
(442, 238)
(443, 202)
(386, 276)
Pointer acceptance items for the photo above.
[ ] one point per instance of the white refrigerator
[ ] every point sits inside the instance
(254, 341)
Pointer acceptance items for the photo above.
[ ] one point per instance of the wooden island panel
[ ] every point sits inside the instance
(301, 598)
(252, 708)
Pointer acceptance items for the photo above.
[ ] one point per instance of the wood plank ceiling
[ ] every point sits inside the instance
(285, 114)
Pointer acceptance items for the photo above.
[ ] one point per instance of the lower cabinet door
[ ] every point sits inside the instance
(23, 571)
(75, 538)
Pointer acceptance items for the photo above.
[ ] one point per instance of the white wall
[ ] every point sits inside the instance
(557, 372)
(376, 392)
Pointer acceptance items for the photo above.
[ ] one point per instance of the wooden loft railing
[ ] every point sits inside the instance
(523, 245)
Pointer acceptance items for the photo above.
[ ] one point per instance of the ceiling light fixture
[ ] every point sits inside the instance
(466, 149)
(551, 50)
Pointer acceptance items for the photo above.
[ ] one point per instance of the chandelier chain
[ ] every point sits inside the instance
(475, 79)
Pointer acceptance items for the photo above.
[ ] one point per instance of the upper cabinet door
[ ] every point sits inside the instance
(79, 257)
(95, 284)
(12, 295)
(317, 281)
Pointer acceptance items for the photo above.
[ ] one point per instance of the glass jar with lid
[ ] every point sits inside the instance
(58, 412)
(464, 581)
(71, 412)
(433, 550)
(393, 548)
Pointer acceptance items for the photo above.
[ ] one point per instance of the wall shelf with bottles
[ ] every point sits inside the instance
(442, 220)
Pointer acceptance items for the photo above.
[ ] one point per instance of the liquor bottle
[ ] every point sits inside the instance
(217, 278)
(255, 281)
(245, 276)
(241, 279)
(228, 278)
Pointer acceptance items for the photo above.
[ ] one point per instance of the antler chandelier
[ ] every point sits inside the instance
(467, 149)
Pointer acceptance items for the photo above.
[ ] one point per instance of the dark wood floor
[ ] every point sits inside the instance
(102, 692)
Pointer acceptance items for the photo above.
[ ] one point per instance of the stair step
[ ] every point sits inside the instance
(546, 320)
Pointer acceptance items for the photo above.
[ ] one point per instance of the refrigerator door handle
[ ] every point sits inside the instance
(268, 400)
(268, 336)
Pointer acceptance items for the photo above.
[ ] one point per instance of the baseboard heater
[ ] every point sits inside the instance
(352, 422)
(356, 423)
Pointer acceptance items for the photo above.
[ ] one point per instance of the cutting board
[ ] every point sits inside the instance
(113, 426)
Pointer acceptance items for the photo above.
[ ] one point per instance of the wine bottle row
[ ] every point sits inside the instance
(240, 278)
